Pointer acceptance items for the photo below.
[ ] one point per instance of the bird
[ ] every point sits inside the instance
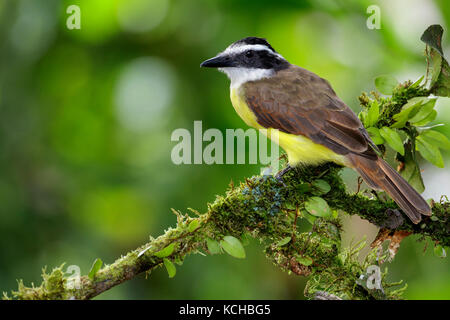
(312, 123)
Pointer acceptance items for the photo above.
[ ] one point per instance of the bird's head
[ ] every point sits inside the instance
(248, 59)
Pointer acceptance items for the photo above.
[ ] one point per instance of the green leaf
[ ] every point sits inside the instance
(283, 241)
(417, 83)
(438, 66)
(320, 187)
(167, 251)
(431, 116)
(372, 115)
(433, 217)
(318, 207)
(213, 246)
(411, 173)
(306, 261)
(408, 111)
(424, 111)
(305, 214)
(433, 37)
(440, 252)
(193, 225)
(96, 266)
(375, 135)
(233, 247)
(429, 152)
(170, 267)
(385, 84)
(393, 139)
(435, 138)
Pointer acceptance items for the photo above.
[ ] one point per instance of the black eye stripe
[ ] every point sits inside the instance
(259, 59)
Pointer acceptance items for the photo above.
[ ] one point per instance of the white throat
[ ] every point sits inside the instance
(238, 76)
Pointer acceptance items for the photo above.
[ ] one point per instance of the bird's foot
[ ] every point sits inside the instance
(281, 173)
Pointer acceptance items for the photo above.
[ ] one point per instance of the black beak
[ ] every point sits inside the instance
(218, 62)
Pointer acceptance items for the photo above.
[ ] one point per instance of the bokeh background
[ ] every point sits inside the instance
(86, 118)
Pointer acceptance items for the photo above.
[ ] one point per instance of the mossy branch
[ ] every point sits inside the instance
(264, 209)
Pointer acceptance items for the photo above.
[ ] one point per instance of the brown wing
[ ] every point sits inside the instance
(299, 102)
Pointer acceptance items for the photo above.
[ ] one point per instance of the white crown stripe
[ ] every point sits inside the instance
(236, 49)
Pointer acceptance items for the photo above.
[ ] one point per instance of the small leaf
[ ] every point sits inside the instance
(411, 170)
(233, 247)
(429, 152)
(411, 173)
(424, 111)
(96, 266)
(193, 225)
(318, 207)
(393, 139)
(306, 261)
(433, 37)
(375, 135)
(431, 116)
(320, 187)
(170, 267)
(436, 138)
(167, 251)
(417, 83)
(408, 111)
(439, 251)
(372, 115)
(438, 66)
(283, 241)
(305, 214)
(386, 84)
(213, 246)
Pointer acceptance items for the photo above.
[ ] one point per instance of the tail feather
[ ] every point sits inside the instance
(380, 175)
(413, 197)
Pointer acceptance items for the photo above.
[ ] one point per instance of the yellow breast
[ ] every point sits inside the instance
(299, 149)
(241, 107)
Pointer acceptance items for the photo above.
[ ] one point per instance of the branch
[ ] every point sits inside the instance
(266, 210)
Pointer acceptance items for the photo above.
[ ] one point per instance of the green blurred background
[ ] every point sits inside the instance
(86, 118)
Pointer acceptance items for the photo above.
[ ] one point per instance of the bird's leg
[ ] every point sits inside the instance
(281, 173)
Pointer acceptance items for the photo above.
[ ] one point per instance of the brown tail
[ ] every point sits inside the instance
(380, 175)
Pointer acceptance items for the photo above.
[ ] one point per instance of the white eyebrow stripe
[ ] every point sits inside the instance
(245, 47)
(242, 48)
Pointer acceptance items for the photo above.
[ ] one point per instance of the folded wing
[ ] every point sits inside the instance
(299, 102)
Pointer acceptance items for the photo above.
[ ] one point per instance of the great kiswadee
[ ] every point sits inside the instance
(312, 124)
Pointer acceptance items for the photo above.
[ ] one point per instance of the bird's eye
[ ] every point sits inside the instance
(249, 54)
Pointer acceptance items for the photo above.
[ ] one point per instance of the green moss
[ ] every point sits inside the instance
(53, 287)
